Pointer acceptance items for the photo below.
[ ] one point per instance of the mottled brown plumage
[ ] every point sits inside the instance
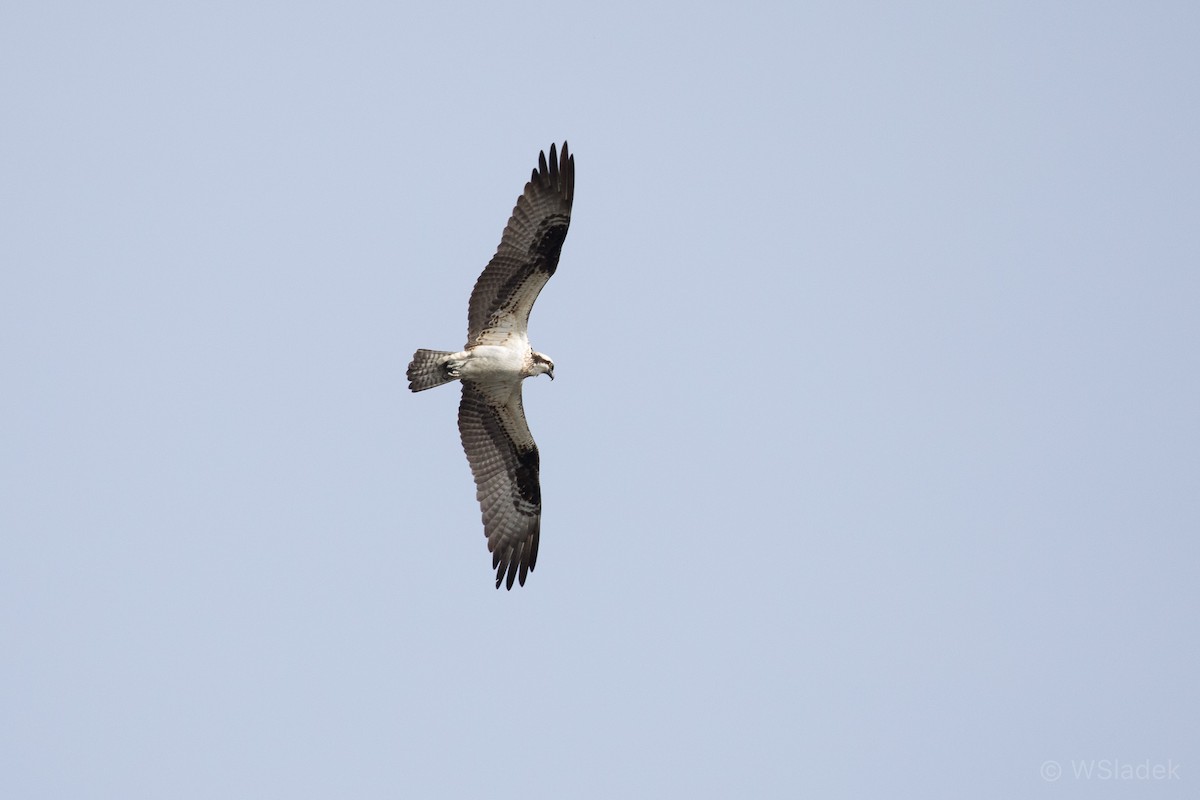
(491, 419)
(528, 253)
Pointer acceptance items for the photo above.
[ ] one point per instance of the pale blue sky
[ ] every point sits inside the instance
(871, 469)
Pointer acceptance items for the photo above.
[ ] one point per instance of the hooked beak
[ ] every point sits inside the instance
(550, 372)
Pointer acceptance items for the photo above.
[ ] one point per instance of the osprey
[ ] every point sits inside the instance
(497, 357)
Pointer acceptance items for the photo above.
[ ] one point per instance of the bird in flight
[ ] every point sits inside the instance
(497, 357)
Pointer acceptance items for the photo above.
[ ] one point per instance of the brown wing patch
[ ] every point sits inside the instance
(528, 252)
(504, 460)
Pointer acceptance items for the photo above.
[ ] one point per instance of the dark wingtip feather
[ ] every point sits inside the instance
(557, 171)
(567, 169)
(508, 569)
(515, 565)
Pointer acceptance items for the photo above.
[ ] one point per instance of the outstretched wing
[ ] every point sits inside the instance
(528, 253)
(504, 461)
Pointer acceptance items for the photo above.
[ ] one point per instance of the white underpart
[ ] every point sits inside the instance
(491, 363)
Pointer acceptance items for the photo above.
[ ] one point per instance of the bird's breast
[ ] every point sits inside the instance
(495, 362)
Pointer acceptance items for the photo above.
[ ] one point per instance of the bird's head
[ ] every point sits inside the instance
(543, 364)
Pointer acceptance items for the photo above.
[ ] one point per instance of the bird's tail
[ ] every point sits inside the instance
(428, 369)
